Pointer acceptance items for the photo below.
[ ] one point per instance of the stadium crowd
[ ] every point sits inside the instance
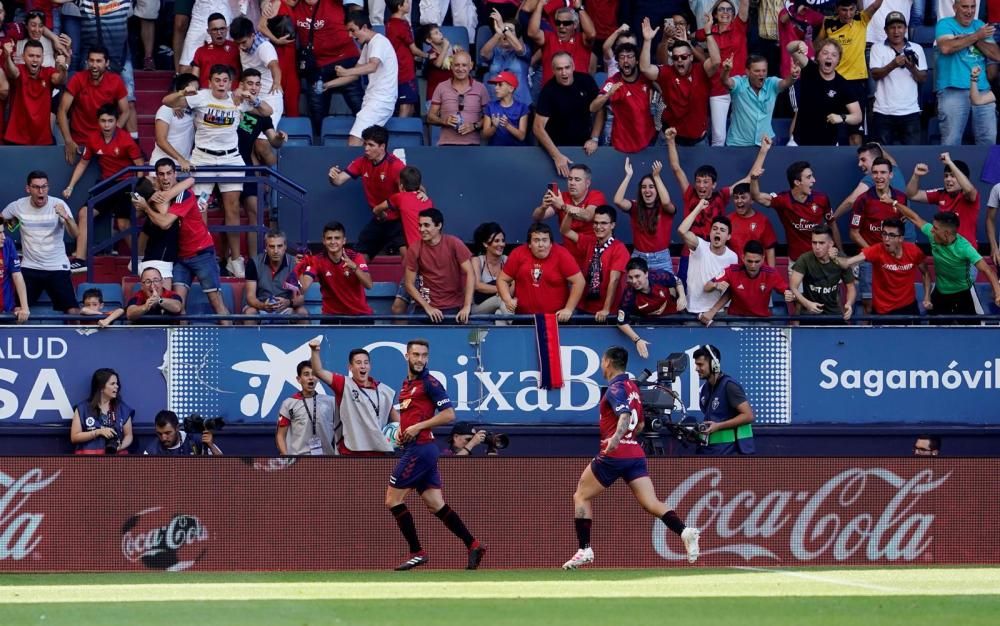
(598, 74)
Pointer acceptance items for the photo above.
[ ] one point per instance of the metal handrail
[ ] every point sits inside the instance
(258, 174)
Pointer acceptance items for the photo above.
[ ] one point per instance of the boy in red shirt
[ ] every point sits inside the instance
(749, 224)
(400, 35)
(115, 150)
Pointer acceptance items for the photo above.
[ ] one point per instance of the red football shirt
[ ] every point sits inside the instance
(613, 259)
(440, 270)
(401, 36)
(892, 278)
(574, 46)
(380, 180)
(799, 218)
(331, 43)
(120, 152)
(88, 98)
(868, 213)
(732, 42)
(29, 109)
(753, 228)
(210, 54)
(632, 128)
(637, 303)
(716, 206)
(193, 236)
(593, 198)
(342, 291)
(686, 100)
(621, 397)
(604, 15)
(751, 296)
(419, 400)
(966, 210)
(540, 284)
(646, 241)
(406, 206)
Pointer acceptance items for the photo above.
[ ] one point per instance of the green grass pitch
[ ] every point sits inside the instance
(963, 596)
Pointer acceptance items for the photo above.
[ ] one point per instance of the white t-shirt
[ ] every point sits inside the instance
(258, 60)
(42, 231)
(994, 200)
(876, 27)
(180, 133)
(383, 84)
(215, 120)
(897, 93)
(703, 266)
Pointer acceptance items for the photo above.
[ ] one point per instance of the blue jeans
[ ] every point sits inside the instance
(71, 27)
(953, 113)
(319, 103)
(656, 260)
(203, 265)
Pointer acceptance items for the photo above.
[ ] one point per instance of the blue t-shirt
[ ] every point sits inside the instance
(751, 111)
(10, 264)
(953, 69)
(513, 113)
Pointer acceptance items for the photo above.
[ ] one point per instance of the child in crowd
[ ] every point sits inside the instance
(400, 35)
(440, 55)
(93, 304)
(505, 120)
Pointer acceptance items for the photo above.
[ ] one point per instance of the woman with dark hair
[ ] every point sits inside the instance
(102, 424)
(489, 241)
(651, 214)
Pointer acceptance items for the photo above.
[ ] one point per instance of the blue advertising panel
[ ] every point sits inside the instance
(491, 373)
(44, 372)
(859, 375)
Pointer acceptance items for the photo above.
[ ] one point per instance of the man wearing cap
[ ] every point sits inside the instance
(464, 439)
(963, 43)
(897, 67)
(505, 120)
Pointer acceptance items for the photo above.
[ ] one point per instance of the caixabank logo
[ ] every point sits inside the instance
(161, 541)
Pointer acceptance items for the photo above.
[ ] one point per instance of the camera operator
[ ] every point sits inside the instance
(102, 424)
(464, 439)
(171, 440)
(727, 411)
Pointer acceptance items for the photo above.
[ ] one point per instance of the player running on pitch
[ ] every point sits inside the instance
(621, 456)
(423, 405)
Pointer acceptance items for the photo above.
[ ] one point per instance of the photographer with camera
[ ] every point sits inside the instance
(464, 439)
(173, 440)
(727, 412)
(102, 424)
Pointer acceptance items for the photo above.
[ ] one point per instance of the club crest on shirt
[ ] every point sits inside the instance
(536, 274)
(715, 403)
(753, 226)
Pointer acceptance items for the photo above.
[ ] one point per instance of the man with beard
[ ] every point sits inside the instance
(305, 420)
(754, 95)
(574, 34)
(342, 273)
(364, 405)
(29, 122)
(171, 440)
(684, 86)
(708, 258)
(268, 290)
(628, 92)
(800, 209)
(85, 93)
(824, 100)
(423, 404)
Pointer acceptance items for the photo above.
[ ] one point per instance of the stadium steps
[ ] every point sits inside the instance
(150, 87)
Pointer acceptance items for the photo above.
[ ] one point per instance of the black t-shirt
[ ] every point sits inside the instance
(250, 128)
(816, 99)
(568, 109)
(162, 244)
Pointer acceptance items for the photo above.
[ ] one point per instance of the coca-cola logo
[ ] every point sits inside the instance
(159, 545)
(866, 512)
(18, 528)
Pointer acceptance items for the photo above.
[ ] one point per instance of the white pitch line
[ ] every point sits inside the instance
(823, 579)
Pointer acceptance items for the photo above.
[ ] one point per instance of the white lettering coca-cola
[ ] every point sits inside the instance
(180, 531)
(832, 523)
(18, 529)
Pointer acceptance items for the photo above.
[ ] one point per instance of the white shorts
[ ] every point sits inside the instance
(146, 9)
(277, 103)
(166, 268)
(199, 157)
(370, 116)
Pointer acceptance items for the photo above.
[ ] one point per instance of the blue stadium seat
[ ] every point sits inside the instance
(406, 131)
(985, 294)
(600, 78)
(335, 130)
(483, 34)
(197, 303)
(435, 133)
(379, 28)
(380, 297)
(299, 130)
(111, 293)
(458, 36)
(782, 130)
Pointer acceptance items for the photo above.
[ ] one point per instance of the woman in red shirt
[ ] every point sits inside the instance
(651, 215)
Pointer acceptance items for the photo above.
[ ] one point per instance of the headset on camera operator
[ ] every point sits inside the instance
(725, 406)
(172, 440)
(464, 439)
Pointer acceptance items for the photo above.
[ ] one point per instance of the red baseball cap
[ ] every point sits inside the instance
(505, 77)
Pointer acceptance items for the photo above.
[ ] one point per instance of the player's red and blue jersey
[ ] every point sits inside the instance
(622, 397)
(10, 264)
(419, 400)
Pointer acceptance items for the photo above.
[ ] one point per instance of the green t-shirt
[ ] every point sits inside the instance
(952, 263)
(821, 281)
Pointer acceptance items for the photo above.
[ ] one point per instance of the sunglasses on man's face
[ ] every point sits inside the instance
(565, 22)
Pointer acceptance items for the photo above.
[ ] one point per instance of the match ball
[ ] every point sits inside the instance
(391, 432)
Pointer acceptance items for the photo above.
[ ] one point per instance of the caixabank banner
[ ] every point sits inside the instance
(203, 514)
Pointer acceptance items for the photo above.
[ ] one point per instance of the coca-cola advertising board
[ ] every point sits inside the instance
(111, 514)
